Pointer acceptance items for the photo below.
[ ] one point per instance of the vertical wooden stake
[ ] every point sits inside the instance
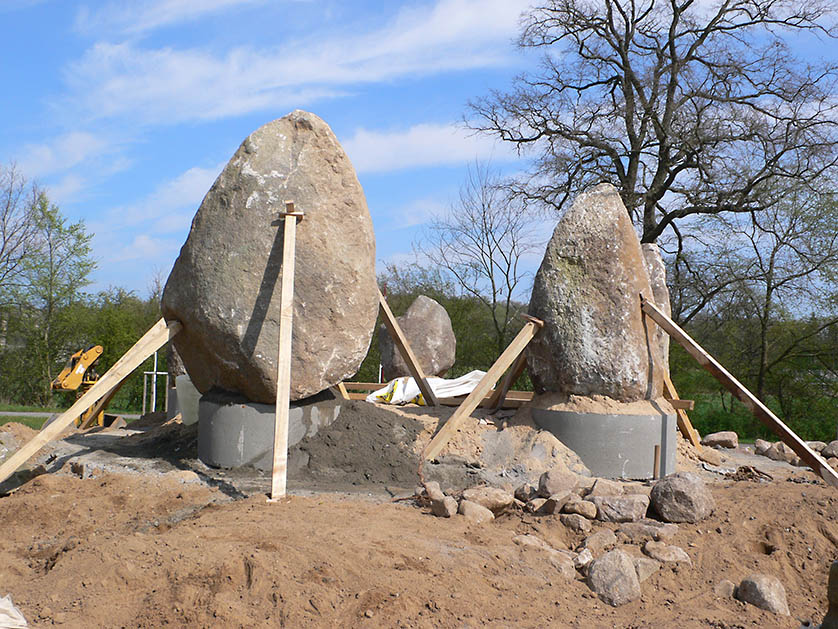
(283, 366)
(656, 467)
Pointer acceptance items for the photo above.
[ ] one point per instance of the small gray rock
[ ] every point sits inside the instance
(585, 508)
(494, 499)
(682, 497)
(445, 508)
(765, 592)
(621, 508)
(831, 450)
(433, 491)
(645, 567)
(665, 553)
(599, 542)
(817, 446)
(644, 530)
(556, 502)
(760, 446)
(576, 522)
(605, 487)
(526, 492)
(475, 512)
(555, 481)
(583, 559)
(614, 578)
(724, 439)
(725, 589)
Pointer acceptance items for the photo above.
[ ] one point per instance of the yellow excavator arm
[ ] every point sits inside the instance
(78, 370)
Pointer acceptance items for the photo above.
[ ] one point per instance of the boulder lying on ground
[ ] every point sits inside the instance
(724, 439)
(427, 328)
(682, 497)
(224, 285)
(765, 592)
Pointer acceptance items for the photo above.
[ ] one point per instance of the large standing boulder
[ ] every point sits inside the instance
(587, 292)
(428, 330)
(224, 287)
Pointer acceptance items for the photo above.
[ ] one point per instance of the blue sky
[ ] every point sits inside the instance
(126, 111)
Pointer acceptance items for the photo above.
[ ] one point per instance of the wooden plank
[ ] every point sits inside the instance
(404, 348)
(508, 380)
(483, 387)
(684, 423)
(102, 404)
(684, 405)
(760, 410)
(279, 472)
(151, 341)
(363, 386)
(342, 390)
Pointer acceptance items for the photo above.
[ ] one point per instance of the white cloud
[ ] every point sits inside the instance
(61, 153)
(146, 248)
(168, 85)
(66, 190)
(140, 16)
(421, 145)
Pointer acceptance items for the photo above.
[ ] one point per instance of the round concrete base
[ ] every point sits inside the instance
(233, 432)
(615, 446)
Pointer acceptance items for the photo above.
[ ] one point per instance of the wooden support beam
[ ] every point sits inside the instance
(499, 395)
(279, 473)
(151, 341)
(684, 423)
(684, 405)
(342, 390)
(102, 404)
(760, 410)
(404, 348)
(363, 386)
(472, 401)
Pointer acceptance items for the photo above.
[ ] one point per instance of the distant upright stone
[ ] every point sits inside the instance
(656, 269)
(682, 497)
(224, 287)
(587, 292)
(765, 592)
(428, 330)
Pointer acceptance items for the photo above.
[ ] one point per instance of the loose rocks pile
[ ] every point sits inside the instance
(607, 556)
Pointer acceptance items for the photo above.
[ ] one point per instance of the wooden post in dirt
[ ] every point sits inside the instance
(760, 410)
(504, 361)
(404, 348)
(283, 366)
(151, 341)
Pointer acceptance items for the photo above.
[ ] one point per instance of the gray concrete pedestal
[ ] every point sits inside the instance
(615, 446)
(233, 432)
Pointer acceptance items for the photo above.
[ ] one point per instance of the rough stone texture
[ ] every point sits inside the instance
(475, 512)
(621, 508)
(644, 530)
(526, 492)
(832, 462)
(765, 592)
(830, 621)
(583, 559)
(682, 497)
(709, 455)
(781, 452)
(174, 363)
(645, 567)
(535, 505)
(556, 502)
(605, 487)
(817, 446)
(445, 508)
(761, 445)
(614, 578)
(599, 542)
(723, 439)
(428, 330)
(581, 507)
(224, 285)
(555, 481)
(831, 450)
(576, 522)
(594, 340)
(494, 499)
(656, 270)
(434, 491)
(724, 589)
(562, 560)
(666, 553)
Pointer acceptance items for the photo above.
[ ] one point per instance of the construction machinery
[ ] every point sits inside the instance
(80, 375)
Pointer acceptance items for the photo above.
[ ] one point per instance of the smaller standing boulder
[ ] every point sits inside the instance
(427, 327)
(682, 497)
(765, 592)
(614, 578)
(724, 439)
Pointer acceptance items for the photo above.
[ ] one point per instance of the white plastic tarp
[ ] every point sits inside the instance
(406, 391)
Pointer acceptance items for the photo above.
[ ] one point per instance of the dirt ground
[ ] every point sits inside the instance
(141, 535)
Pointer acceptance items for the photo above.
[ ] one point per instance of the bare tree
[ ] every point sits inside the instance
(690, 107)
(18, 227)
(481, 242)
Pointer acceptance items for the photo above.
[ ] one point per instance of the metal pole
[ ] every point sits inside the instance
(145, 390)
(154, 386)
